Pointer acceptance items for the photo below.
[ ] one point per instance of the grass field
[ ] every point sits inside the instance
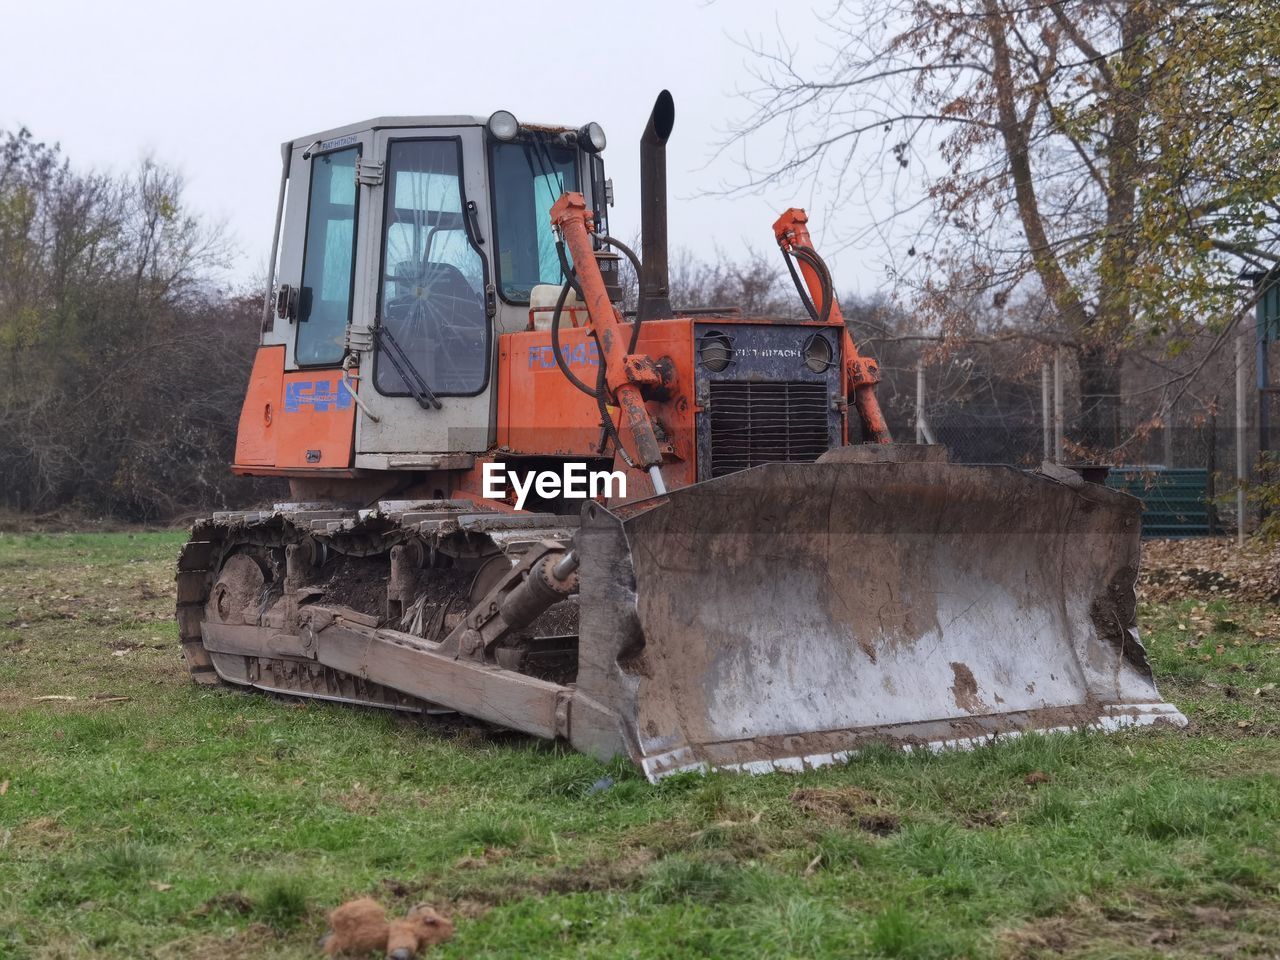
(141, 816)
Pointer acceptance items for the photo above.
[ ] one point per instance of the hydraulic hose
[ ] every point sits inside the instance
(635, 264)
(810, 257)
(555, 342)
(601, 391)
(799, 285)
(626, 251)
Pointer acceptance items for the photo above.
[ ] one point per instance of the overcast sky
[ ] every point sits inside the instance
(213, 88)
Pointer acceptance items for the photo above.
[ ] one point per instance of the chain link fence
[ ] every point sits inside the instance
(1017, 401)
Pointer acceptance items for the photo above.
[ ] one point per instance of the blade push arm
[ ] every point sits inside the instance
(625, 373)
(861, 373)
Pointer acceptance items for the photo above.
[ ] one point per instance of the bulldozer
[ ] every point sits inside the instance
(685, 537)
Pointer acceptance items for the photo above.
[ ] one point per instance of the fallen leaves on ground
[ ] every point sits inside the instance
(1209, 567)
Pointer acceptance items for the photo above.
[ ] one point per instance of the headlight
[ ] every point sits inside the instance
(591, 138)
(715, 351)
(503, 125)
(818, 353)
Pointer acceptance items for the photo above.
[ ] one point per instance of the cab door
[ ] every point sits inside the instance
(427, 372)
(320, 250)
(306, 417)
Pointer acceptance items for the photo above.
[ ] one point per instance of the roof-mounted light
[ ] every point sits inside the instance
(591, 137)
(503, 125)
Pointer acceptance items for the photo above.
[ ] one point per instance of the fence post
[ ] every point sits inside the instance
(920, 431)
(1211, 465)
(1242, 423)
(1046, 414)
(1057, 404)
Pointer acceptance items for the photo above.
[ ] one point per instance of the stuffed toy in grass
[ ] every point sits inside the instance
(360, 927)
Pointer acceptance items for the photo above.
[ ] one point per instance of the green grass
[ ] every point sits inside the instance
(183, 822)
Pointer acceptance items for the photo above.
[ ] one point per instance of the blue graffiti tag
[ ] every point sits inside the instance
(320, 395)
(585, 354)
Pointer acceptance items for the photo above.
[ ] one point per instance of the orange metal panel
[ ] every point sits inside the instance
(541, 413)
(256, 436)
(297, 421)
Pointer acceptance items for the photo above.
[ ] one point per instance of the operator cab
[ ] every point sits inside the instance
(405, 246)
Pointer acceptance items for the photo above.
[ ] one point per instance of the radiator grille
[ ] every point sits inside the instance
(755, 423)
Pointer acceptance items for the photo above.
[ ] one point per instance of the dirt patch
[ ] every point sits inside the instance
(596, 876)
(42, 833)
(240, 946)
(844, 805)
(559, 620)
(832, 804)
(490, 856)
(440, 594)
(359, 800)
(965, 689)
(663, 836)
(881, 823)
(982, 819)
(1143, 924)
(397, 889)
(468, 909)
(621, 874)
(356, 582)
(235, 903)
(624, 873)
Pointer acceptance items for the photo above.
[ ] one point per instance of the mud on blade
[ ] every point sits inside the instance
(785, 615)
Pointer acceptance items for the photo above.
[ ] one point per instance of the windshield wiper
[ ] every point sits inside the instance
(404, 366)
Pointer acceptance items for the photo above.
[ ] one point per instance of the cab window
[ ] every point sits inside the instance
(328, 265)
(433, 277)
(527, 179)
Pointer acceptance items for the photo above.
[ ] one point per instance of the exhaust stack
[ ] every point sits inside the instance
(655, 283)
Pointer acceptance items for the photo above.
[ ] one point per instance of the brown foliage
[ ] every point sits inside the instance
(121, 365)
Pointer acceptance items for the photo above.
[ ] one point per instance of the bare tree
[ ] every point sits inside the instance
(756, 285)
(1118, 159)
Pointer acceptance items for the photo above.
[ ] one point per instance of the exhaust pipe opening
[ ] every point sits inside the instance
(655, 282)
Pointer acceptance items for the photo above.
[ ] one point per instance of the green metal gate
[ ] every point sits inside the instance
(1175, 501)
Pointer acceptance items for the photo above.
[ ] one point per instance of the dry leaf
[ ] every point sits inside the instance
(162, 887)
(4, 788)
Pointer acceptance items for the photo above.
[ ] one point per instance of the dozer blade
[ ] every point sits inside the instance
(787, 615)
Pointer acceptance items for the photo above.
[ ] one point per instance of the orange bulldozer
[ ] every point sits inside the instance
(683, 536)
